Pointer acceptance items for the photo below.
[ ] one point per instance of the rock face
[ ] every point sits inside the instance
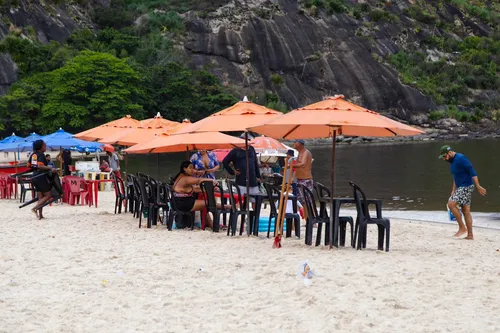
(301, 58)
(49, 22)
(273, 45)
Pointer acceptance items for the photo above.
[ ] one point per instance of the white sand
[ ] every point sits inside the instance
(87, 270)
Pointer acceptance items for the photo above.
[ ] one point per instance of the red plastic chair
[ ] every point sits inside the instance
(3, 187)
(78, 190)
(6, 186)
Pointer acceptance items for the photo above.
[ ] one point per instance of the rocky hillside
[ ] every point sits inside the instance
(402, 57)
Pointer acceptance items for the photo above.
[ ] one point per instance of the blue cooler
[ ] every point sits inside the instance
(264, 221)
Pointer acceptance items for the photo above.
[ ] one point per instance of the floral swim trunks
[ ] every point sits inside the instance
(463, 195)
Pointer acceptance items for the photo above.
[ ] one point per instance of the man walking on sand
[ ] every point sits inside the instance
(464, 180)
(303, 167)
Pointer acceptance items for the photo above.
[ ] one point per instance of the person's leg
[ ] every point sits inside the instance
(33, 210)
(45, 197)
(453, 206)
(468, 221)
(199, 205)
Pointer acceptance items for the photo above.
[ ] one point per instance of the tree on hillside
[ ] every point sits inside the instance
(178, 92)
(92, 88)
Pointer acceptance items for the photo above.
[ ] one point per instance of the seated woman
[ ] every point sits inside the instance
(186, 188)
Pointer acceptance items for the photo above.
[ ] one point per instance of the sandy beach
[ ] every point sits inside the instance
(87, 270)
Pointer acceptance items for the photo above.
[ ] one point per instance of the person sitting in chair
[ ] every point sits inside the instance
(185, 190)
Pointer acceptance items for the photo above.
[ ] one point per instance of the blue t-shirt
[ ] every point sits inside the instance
(462, 171)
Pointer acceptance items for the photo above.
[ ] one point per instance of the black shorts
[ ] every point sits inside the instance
(42, 183)
(185, 204)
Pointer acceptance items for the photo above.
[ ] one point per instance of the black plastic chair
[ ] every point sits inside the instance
(383, 224)
(177, 214)
(120, 194)
(313, 217)
(130, 193)
(25, 188)
(146, 204)
(208, 190)
(290, 217)
(163, 202)
(137, 197)
(324, 197)
(235, 211)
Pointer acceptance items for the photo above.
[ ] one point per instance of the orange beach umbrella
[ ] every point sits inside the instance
(158, 121)
(329, 118)
(185, 142)
(133, 136)
(107, 129)
(148, 130)
(332, 116)
(264, 143)
(236, 118)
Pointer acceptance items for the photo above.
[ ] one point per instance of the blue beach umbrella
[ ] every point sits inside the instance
(61, 140)
(14, 146)
(10, 139)
(87, 149)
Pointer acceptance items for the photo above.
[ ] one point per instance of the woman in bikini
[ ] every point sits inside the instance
(186, 188)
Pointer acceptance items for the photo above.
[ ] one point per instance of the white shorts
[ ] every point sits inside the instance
(253, 190)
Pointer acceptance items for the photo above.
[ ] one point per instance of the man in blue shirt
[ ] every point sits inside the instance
(464, 181)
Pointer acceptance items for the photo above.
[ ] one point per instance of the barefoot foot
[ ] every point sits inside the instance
(35, 212)
(460, 233)
(469, 237)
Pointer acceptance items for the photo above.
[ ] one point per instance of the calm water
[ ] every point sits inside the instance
(405, 176)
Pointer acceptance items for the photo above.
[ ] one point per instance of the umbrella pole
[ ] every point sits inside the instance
(15, 164)
(247, 184)
(158, 165)
(332, 217)
(60, 164)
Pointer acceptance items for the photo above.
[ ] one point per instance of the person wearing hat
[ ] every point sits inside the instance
(464, 180)
(303, 169)
(114, 160)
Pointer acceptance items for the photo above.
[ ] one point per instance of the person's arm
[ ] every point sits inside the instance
(479, 188)
(226, 162)
(473, 174)
(216, 167)
(302, 161)
(453, 188)
(189, 180)
(256, 164)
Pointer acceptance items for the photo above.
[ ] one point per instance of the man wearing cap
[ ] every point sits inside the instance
(303, 167)
(464, 181)
(114, 160)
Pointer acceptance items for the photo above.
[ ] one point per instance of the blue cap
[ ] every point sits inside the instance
(302, 142)
(290, 152)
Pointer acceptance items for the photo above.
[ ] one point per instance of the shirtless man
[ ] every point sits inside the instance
(303, 167)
